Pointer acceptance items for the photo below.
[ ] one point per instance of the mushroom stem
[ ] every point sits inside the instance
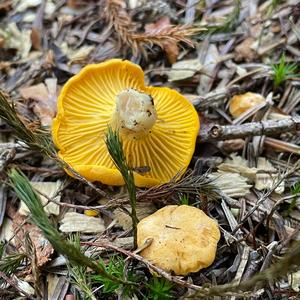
(135, 113)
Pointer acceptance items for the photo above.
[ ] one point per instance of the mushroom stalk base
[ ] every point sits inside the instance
(135, 113)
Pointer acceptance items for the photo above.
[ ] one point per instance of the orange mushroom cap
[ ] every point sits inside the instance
(241, 103)
(184, 239)
(113, 93)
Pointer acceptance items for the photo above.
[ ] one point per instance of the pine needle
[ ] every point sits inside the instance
(11, 263)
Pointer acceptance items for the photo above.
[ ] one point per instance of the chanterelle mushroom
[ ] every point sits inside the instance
(184, 239)
(158, 126)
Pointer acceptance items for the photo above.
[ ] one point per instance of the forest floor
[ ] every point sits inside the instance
(237, 62)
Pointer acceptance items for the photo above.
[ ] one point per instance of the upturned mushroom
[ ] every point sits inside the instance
(158, 126)
(184, 239)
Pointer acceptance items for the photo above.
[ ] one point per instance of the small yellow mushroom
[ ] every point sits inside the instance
(184, 239)
(241, 103)
(91, 213)
(158, 126)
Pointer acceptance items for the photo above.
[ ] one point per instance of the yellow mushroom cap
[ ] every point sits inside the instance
(241, 103)
(89, 102)
(184, 239)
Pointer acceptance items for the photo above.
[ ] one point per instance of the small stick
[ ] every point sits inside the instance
(214, 98)
(218, 132)
(151, 266)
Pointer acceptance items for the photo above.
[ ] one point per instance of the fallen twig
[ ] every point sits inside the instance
(218, 132)
(159, 271)
(213, 99)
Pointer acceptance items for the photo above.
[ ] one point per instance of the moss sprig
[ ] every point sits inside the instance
(283, 71)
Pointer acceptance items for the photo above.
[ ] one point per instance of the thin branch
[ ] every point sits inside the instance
(216, 98)
(268, 128)
(151, 266)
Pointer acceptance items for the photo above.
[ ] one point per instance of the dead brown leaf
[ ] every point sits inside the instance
(36, 38)
(2, 42)
(75, 4)
(170, 46)
(244, 51)
(5, 6)
(43, 248)
(45, 96)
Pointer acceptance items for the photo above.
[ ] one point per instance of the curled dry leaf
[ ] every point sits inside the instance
(43, 248)
(267, 176)
(45, 96)
(210, 62)
(24, 286)
(237, 164)
(24, 5)
(143, 210)
(75, 222)
(264, 176)
(47, 188)
(57, 286)
(80, 55)
(184, 69)
(232, 184)
(6, 230)
(294, 281)
(245, 51)
(52, 281)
